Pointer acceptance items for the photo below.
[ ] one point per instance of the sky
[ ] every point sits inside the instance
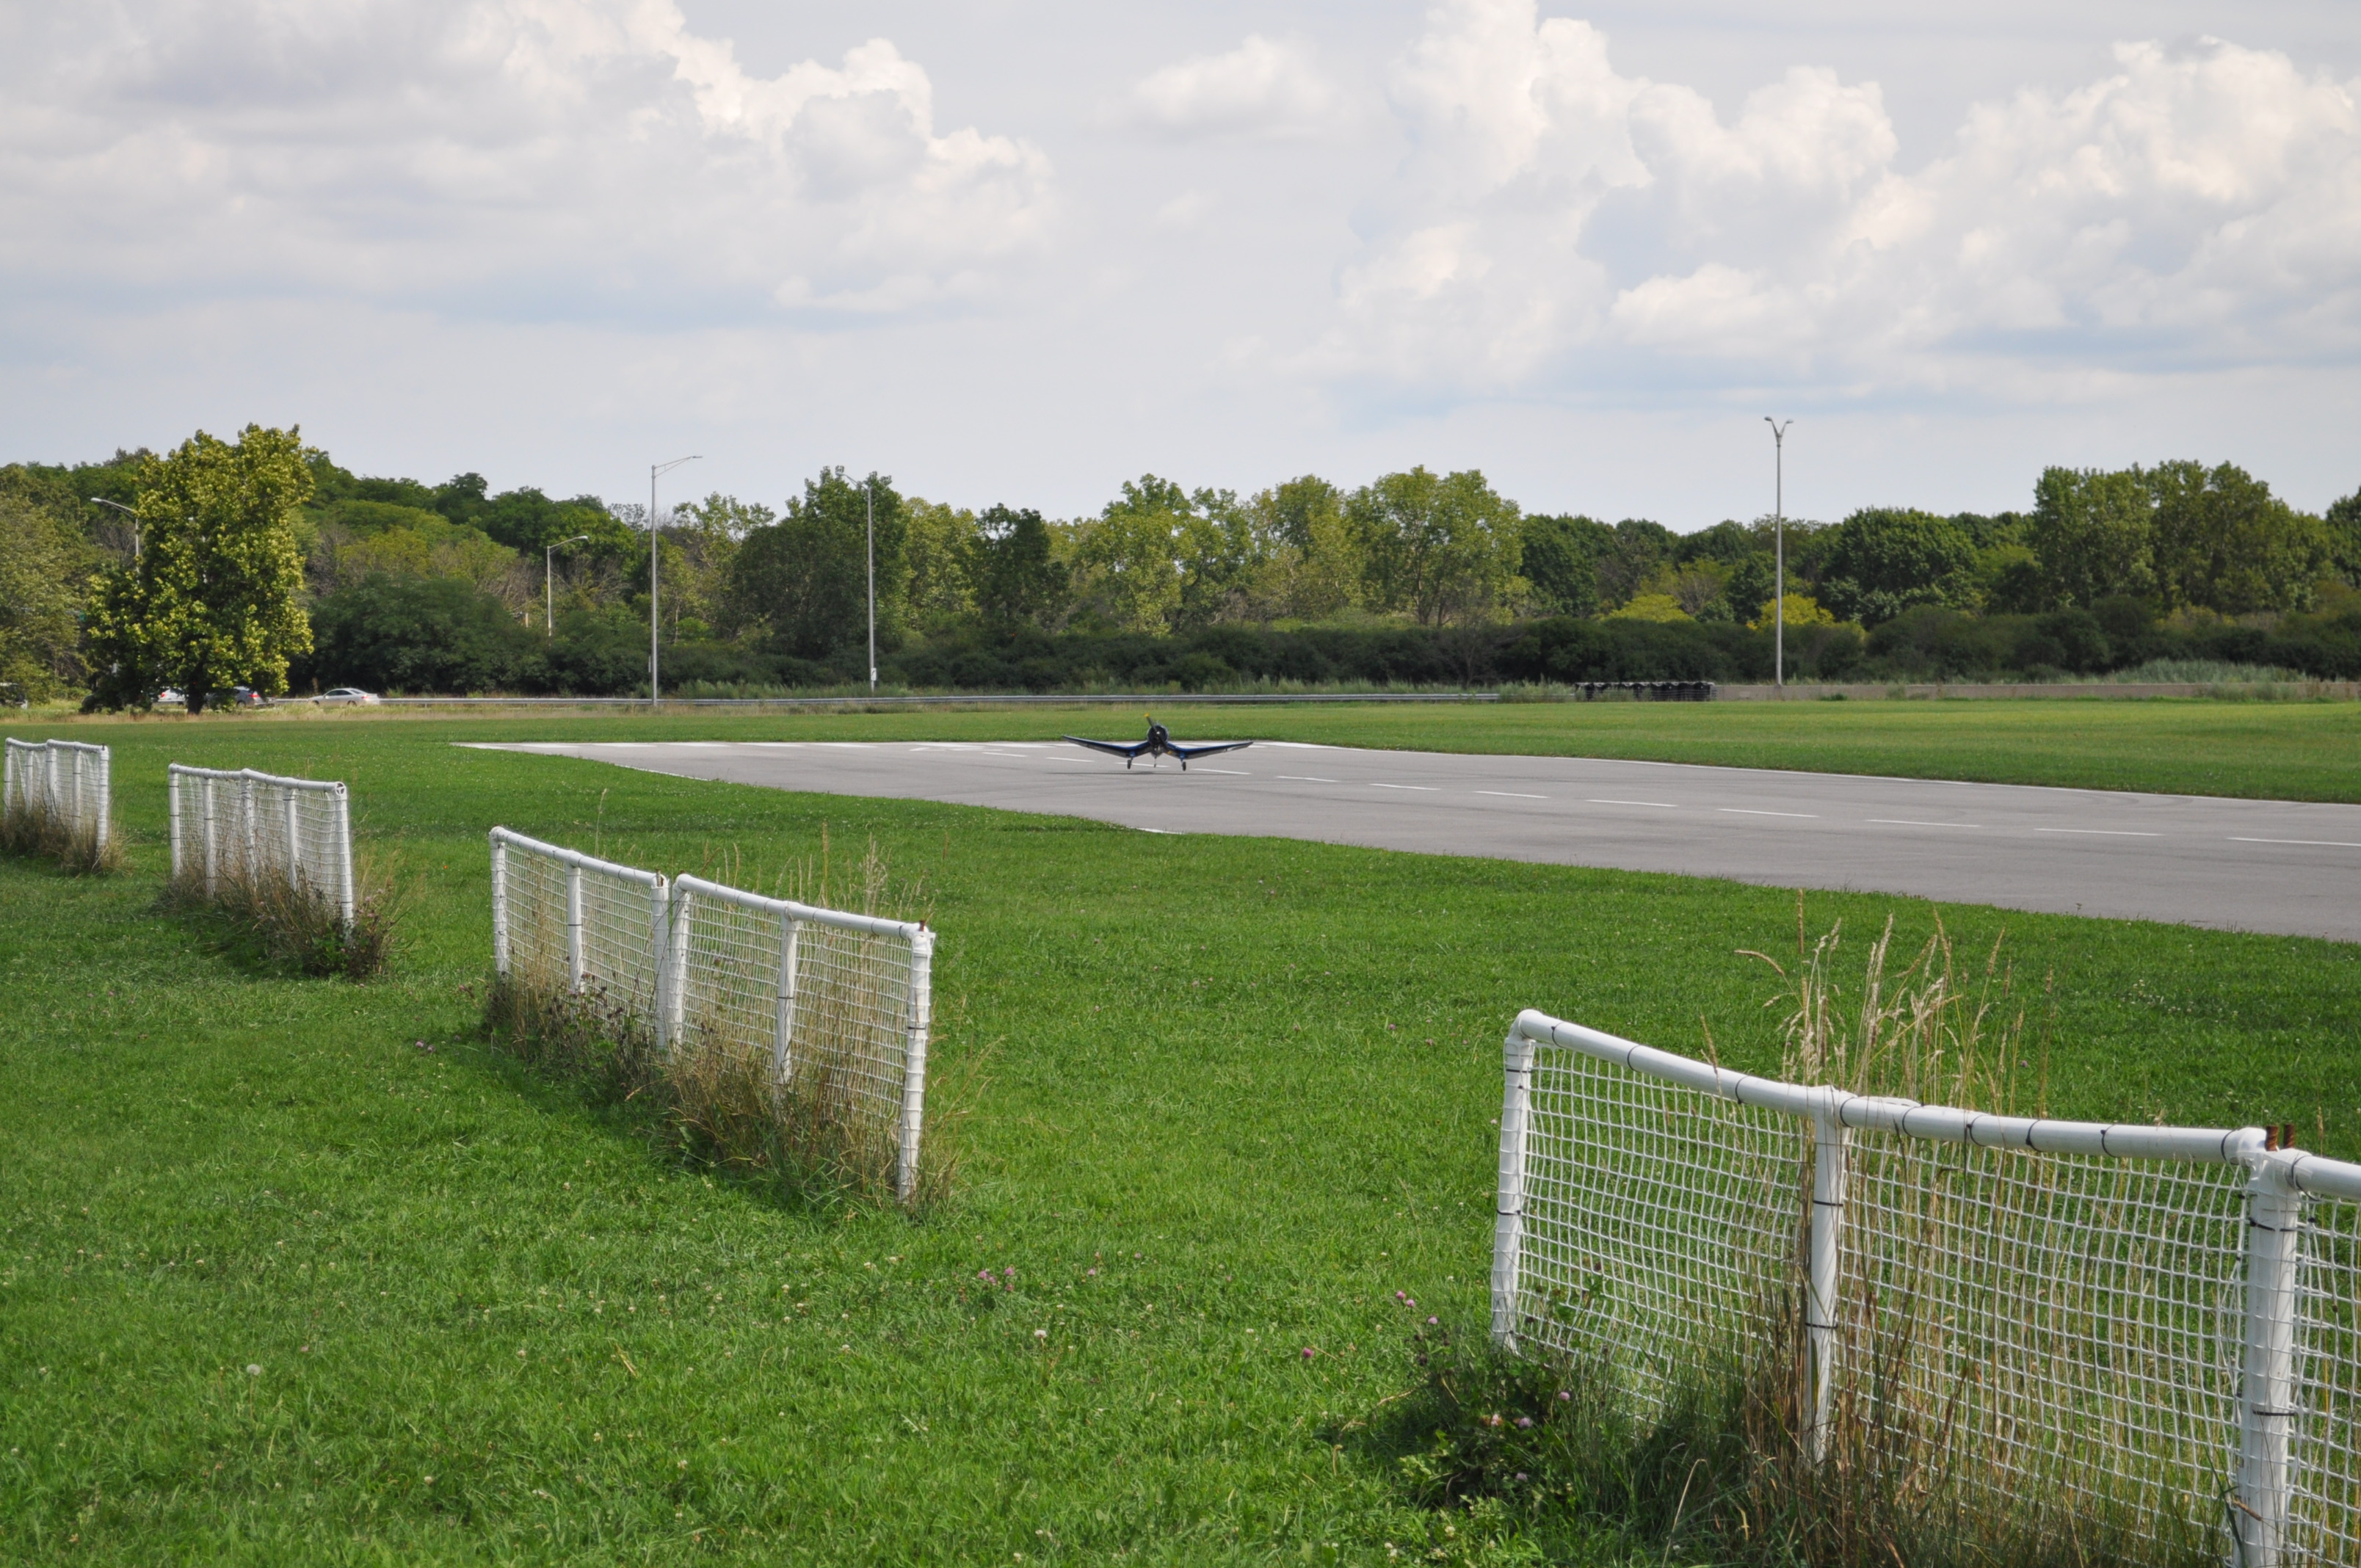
(1021, 250)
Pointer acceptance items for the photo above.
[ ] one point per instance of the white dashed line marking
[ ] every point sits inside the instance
(1912, 822)
(1427, 789)
(1234, 773)
(2314, 843)
(1304, 778)
(1511, 794)
(1663, 805)
(2104, 832)
(1750, 811)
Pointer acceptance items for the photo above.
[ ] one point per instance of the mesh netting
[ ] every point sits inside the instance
(2325, 1517)
(249, 828)
(2019, 1332)
(59, 787)
(1660, 1222)
(829, 1005)
(620, 932)
(2048, 1326)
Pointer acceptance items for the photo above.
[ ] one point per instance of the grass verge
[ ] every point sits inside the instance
(301, 1272)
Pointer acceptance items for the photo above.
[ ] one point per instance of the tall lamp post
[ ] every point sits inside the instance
(103, 501)
(549, 594)
(656, 471)
(869, 492)
(1779, 551)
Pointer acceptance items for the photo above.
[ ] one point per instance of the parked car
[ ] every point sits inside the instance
(348, 694)
(240, 696)
(171, 697)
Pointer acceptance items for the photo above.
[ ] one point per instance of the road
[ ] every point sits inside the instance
(2254, 865)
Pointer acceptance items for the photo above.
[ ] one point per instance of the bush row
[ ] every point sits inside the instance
(444, 637)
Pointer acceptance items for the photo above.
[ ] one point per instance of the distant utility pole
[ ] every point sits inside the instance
(871, 493)
(1779, 549)
(548, 593)
(655, 471)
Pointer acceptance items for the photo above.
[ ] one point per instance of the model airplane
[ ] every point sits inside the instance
(1157, 744)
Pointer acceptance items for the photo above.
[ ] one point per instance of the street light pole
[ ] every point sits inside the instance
(871, 495)
(103, 501)
(549, 594)
(1779, 548)
(655, 471)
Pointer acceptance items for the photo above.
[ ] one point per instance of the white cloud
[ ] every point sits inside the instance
(528, 156)
(2196, 206)
(1261, 88)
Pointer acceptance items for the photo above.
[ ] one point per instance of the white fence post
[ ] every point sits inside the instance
(1829, 1140)
(659, 951)
(1508, 1228)
(919, 1000)
(105, 797)
(673, 1015)
(2267, 1383)
(573, 929)
(499, 906)
(341, 820)
(784, 1034)
(295, 829)
(211, 838)
(249, 829)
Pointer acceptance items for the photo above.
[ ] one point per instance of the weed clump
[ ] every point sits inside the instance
(38, 835)
(295, 923)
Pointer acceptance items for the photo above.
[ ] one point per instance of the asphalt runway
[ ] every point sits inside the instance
(2254, 865)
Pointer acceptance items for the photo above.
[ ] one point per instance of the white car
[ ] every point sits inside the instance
(349, 693)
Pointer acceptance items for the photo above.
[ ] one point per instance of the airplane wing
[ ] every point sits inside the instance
(1190, 753)
(1126, 749)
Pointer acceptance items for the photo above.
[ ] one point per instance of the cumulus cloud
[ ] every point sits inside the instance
(552, 155)
(2195, 205)
(1261, 88)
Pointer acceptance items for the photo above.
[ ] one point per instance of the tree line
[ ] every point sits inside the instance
(261, 562)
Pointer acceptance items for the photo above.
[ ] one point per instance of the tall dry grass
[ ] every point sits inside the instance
(818, 1133)
(1911, 1475)
(301, 924)
(36, 834)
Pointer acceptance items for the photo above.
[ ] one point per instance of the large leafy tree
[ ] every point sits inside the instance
(1016, 580)
(805, 579)
(1561, 560)
(1127, 560)
(44, 565)
(2093, 534)
(2224, 542)
(1442, 546)
(213, 597)
(1883, 560)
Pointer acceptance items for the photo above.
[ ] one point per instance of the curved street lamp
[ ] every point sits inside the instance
(103, 501)
(548, 594)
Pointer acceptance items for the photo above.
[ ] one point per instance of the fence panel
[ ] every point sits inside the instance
(255, 830)
(62, 788)
(564, 921)
(836, 1003)
(830, 1010)
(2157, 1327)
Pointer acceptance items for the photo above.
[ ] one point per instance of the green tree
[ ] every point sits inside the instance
(1311, 566)
(1127, 560)
(941, 546)
(1017, 580)
(2095, 535)
(1442, 546)
(1639, 547)
(1883, 560)
(804, 580)
(45, 568)
(1561, 560)
(212, 600)
(2343, 525)
(2224, 542)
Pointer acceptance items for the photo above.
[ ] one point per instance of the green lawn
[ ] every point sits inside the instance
(2283, 751)
(1249, 1083)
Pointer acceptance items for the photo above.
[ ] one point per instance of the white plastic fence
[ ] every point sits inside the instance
(2159, 1325)
(67, 782)
(249, 827)
(838, 1003)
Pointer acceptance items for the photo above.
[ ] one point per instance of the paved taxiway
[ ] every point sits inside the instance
(2254, 865)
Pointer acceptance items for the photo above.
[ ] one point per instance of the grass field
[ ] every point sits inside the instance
(296, 1271)
(2283, 751)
